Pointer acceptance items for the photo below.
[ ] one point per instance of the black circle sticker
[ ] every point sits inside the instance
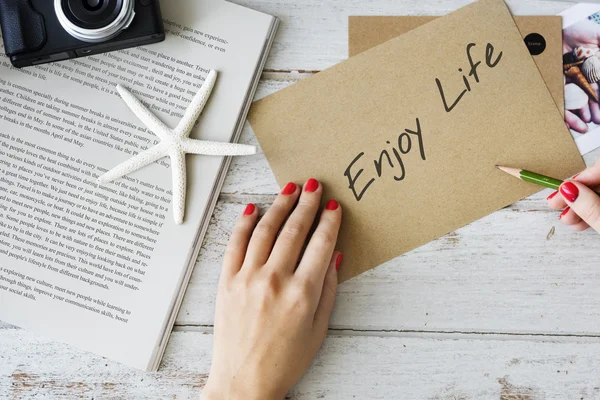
(535, 43)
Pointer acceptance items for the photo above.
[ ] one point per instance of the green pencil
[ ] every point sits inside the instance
(532, 177)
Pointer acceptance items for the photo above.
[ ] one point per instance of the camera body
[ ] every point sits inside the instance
(42, 31)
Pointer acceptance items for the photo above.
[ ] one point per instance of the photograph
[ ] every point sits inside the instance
(581, 67)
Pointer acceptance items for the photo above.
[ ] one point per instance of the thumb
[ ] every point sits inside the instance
(590, 176)
(583, 201)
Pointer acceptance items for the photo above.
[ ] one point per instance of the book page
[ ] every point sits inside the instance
(99, 266)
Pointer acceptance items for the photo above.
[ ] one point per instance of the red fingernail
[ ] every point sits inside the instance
(338, 261)
(311, 185)
(569, 191)
(575, 177)
(332, 205)
(249, 209)
(564, 212)
(289, 188)
(552, 195)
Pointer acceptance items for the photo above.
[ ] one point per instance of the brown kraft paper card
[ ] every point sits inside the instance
(543, 34)
(406, 135)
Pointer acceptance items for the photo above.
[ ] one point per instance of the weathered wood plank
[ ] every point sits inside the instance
(251, 174)
(517, 270)
(426, 367)
(313, 33)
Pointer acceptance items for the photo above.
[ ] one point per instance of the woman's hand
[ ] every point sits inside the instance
(578, 120)
(273, 301)
(580, 203)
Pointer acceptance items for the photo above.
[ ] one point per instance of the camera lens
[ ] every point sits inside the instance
(92, 14)
(92, 5)
(94, 20)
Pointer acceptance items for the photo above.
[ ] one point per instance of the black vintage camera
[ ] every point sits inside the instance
(42, 31)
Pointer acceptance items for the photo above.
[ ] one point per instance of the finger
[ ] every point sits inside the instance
(266, 231)
(328, 294)
(590, 176)
(575, 123)
(569, 218)
(238, 242)
(595, 107)
(556, 202)
(583, 201)
(582, 226)
(316, 257)
(293, 234)
(595, 111)
(585, 114)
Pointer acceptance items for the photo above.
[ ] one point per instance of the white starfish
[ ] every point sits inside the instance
(174, 143)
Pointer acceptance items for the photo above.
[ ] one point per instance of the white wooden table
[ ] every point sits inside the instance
(505, 308)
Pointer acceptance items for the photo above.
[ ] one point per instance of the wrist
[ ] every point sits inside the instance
(209, 394)
(237, 391)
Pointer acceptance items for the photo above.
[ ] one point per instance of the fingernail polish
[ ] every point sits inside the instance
(552, 195)
(311, 185)
(338, 261)
(332, 205)
(566, 210)
(569, 191)
(575, 177)
(249, 209)
(289, 188)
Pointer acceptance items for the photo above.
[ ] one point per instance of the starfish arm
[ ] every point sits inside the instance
(134, 163)
(205, 147)
(197, 105)
(144, 114)
(178, 170)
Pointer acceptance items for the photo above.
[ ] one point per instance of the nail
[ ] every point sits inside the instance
(289, 188)
(249, 209)
(564, 212)
(552, 195)
(332, 205)
(311, 185)
(338, 261)
(575, 177)
(569, 191)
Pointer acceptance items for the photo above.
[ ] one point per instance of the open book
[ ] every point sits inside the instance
(105, 267)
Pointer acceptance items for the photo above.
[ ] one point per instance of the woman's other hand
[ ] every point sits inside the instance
(275, 297)
(580, 203)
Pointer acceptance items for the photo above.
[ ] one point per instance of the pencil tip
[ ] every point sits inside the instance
(512, 171)
(496, 166)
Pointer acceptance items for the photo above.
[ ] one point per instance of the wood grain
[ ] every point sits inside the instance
(467, 367)
(504, 273)
(313, 34)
